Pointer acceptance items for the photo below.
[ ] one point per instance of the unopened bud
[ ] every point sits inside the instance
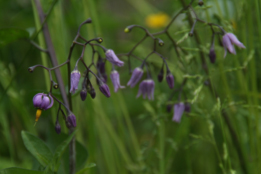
(200, 2)
(55, 85)
(169, 107)
(83, 94)
(212, 55)
(57, 128)
(160, 75)
(93, 93)
(100, 40)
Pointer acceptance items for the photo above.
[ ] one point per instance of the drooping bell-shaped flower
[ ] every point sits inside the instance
(111, 56)
(178, 111)
(75, 78)
(71, 120)
(228, 40)
(42, 102)
(105, 90)
(115, 78)
(146, 88)
(170, 80)
(135, 77)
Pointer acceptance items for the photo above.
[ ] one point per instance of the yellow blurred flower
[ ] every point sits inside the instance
(157, 20)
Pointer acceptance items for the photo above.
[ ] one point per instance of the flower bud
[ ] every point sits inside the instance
(93, 93)
(55, 85)
(72, 120)
(75, 78)
(212, 55)
(105, 90)
(200, 2)
(135, 77)
(169, 107)
(160, 75)
(83, 94)
(170, 80)
(187, 107)
(111, 57)
(178, 111)
(115, 78)
(57, 128)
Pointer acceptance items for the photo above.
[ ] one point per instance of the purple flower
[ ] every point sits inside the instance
(83, 94)
(111, 56)
(212, 55)
(57, 128)
(115, 78)
(42, 101)
(72, 120)
(178, 111)
(228, 40)
(146, 88)
(170, 80)
(75, 77)
(105, 90)
(135, 77)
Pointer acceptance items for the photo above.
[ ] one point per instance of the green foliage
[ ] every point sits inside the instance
(124, 134)
(15, 170)
(37, 148)
(9, 35)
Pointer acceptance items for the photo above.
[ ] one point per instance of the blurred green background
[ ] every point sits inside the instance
(123, 134)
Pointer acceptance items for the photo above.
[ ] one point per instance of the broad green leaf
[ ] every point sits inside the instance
(60, 150)
(14, 170)
(86, 168)
(37, 148)
(9, 35)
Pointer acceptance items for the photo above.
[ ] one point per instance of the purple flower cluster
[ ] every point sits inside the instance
(228, 41)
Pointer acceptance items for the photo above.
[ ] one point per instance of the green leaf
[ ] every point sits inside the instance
(9, 35)
(14, 170)
(60, 150)
(37, 148)
(86, 168)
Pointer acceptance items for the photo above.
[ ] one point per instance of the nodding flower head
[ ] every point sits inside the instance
(146, 88)
(42, 102)
(178, 111)
(71, 119)
(228, 40)
(105, 90)
(170, 80)
(111, 56)
(135, 77)
(75, 77)
(115, 78)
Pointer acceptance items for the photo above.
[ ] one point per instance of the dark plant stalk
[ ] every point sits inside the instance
(224, 114)
(51, 53)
